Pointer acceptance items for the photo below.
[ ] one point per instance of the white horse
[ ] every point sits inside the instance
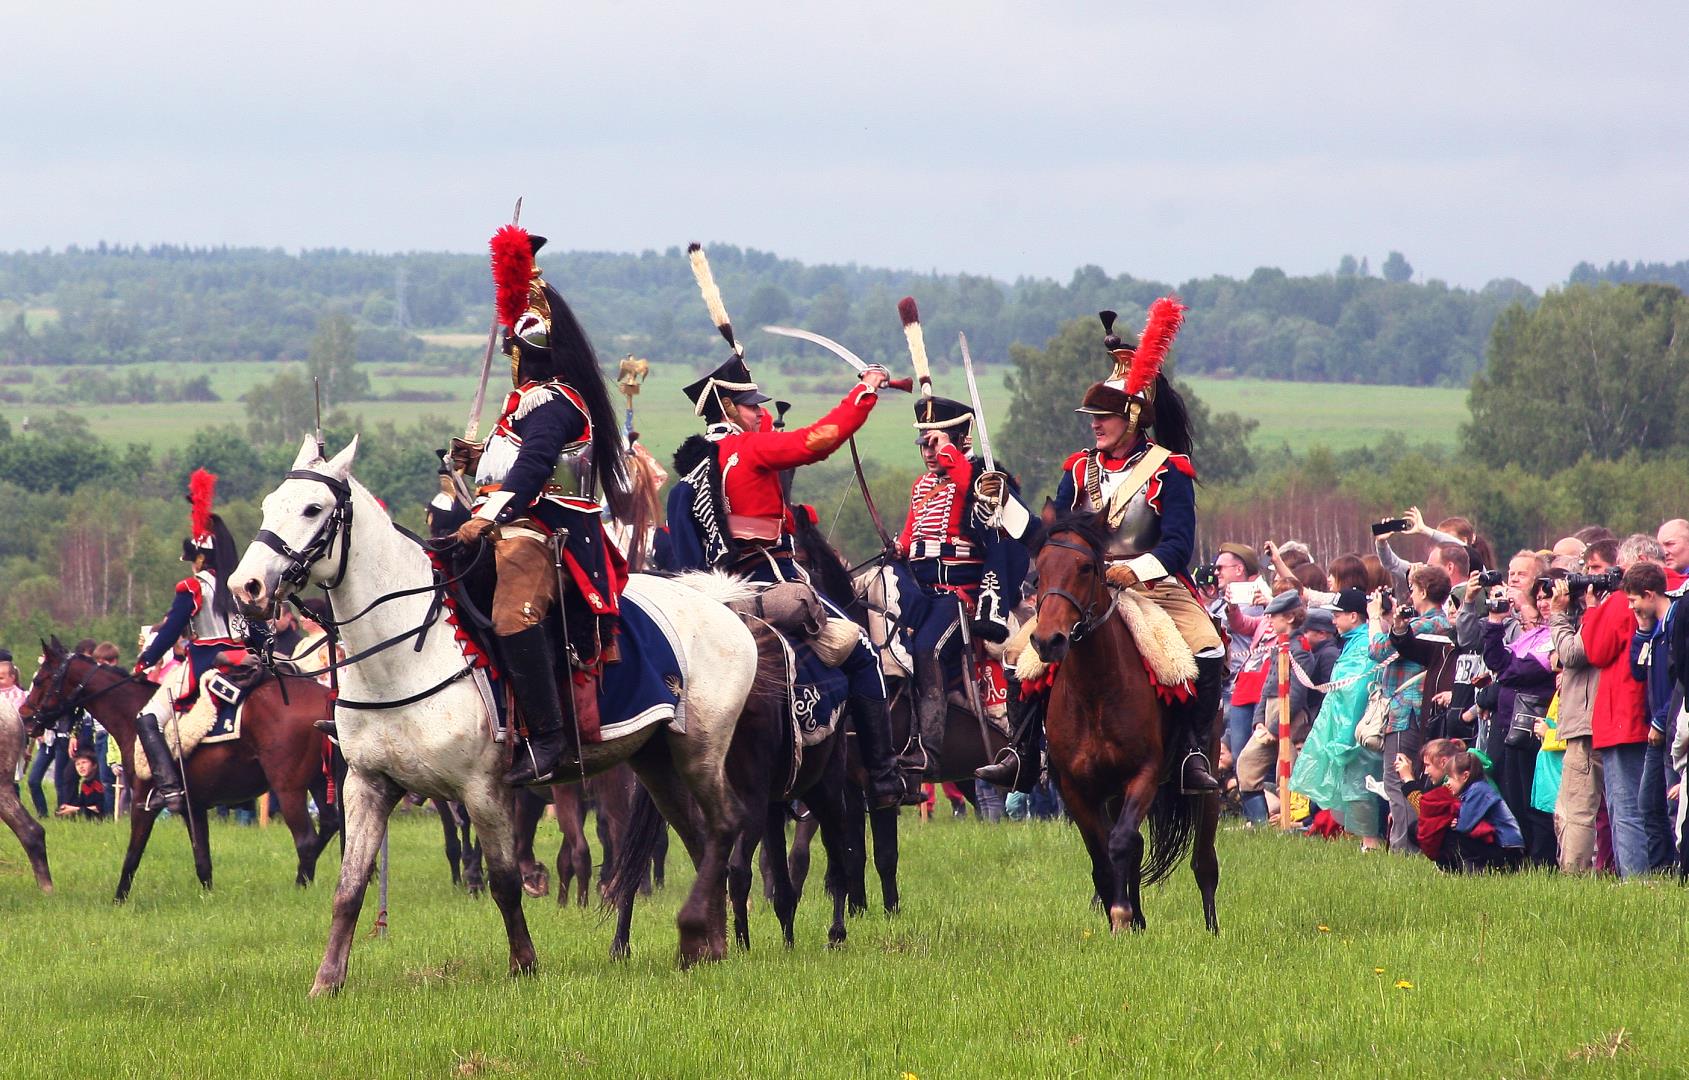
(322, 527)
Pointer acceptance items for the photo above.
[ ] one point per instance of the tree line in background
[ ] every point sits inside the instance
(114, 305)
(1579, 415)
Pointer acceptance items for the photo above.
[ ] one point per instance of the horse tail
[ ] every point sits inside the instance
(1172, 828)
(634, 854)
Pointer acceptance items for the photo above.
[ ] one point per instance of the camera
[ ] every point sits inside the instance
(1394, 525)
(1604, 582)
(1489, 579)
(1206, 577)
(1386, 600)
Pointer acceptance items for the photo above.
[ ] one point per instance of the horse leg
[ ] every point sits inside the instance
(856, 842)
(1094, 830)
(199, 838)
(328, 819)
(298, 818)
(368, 801)
(884, 824)
(1126, 851)
(694, 920)
(474, 878)
(1205, 860)
(490, 812)
(528, 809)
(802, 836)
(454, 849)
(30, 834)
(782, 893)
(141, 818)
(574, 857)
(659, 859)
(739, 879)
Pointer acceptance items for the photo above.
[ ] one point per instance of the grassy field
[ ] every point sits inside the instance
(1330, 963)
(1340, 416)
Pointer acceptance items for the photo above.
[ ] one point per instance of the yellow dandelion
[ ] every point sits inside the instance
(1323, 929)
(1378, 971)
(1403, 984)
(909, 1076)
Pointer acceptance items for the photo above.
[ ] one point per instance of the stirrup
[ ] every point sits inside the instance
(1184, 762)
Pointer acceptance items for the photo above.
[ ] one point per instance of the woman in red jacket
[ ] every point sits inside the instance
(1620, 723)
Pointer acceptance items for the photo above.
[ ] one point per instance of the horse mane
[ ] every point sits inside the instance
(1090, 526)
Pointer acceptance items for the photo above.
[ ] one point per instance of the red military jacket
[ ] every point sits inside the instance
(933, 528)
(751, 463)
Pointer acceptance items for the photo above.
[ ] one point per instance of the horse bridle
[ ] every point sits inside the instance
(1089, 618)
(66, 704)
(338, 525)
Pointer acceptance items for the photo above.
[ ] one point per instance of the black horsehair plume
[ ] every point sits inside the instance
(1111, 340)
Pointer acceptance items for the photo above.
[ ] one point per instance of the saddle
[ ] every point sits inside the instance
(795, 609)
(1166, 655)
(213, 717)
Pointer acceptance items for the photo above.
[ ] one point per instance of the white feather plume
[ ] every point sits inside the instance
(711, 292)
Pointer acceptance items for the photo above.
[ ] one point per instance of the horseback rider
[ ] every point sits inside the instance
(730, 512)
(204, 609)
(1147, 489)
(962, 564)
(537, 477)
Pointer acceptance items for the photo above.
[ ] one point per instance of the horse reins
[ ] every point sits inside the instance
(65, 704)
(1088, 619)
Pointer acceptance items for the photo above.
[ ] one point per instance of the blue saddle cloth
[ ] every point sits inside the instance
(819, 694)
(642, 688)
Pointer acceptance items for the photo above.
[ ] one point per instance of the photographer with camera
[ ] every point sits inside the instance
(1619, 720)
(1524, 672)
(1578, 803)
(1403, 638)
(1411, 523)
(1645, 589)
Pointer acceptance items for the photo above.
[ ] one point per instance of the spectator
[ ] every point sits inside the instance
(1454, 560)
(1284, 618)
(1578, 803)
(1645, 588)
(9, 688)
(1411, 642)
(1348, 572)
(1619, 720)
(1673, 539)
(88, 796)
(1333, 767)
(1433, 803)
(1485, 834)
(1312, 578)
(1319, 634)
(1393, 564)
(1590, 534)
(1569, 547)
(1376, 576)
(1524, 672)
(106, 653)
(1248, 687)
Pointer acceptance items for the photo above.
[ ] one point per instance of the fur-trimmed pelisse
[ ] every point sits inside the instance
(1164, 649)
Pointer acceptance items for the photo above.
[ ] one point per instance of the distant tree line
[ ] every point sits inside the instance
(114, 305)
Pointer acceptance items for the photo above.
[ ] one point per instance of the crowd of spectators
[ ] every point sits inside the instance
(1484, 714)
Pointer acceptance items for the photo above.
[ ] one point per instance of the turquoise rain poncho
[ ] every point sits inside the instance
(1332, 768)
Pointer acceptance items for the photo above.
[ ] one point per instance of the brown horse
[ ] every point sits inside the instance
(1106, 728)
(30, 833)
(278, 750)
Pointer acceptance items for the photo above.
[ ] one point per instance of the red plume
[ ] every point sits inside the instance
(202, 488)
(1165, 315)
(513, 269)
(907, 311)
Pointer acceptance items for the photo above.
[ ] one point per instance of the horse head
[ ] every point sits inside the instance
(306, 520)
(1073, 596)
(58, 681)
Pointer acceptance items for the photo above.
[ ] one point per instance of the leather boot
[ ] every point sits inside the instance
(1018, 764)
(550, 745)
(932, 711)
(1197, 718)
(871, 720)
(166, 778)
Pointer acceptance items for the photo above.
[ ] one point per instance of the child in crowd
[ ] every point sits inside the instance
(89, 799)
(1429, 795)
(1486, 834)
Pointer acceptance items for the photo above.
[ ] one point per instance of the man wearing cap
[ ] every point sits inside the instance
(1147, 490)
(1414, 642)
(1320, 632)
(728, 510)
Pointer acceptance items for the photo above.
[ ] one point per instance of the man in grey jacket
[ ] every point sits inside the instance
(1580, 778)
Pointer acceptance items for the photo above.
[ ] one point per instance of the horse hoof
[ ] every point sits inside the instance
(519, 968)
(324, 988)
(620, 950)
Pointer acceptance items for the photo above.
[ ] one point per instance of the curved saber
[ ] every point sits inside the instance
(905, 385)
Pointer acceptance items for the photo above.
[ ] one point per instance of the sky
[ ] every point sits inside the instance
(1165, 141)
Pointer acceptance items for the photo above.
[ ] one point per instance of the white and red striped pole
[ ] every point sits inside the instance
(1284, 731)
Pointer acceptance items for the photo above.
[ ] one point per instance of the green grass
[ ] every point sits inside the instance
(1340, 416)
(997, 965)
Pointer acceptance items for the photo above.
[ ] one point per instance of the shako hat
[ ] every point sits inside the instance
(942, 414)
(731, 381)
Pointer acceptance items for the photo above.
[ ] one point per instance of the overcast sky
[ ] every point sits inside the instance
(1482, 140)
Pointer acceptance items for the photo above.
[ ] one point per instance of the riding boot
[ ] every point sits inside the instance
(550, 743)
(166, 779)
(1197, 718)
(932, 710)
(871, 720)
(1017, 764)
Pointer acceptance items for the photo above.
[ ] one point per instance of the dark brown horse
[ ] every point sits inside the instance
(1106, 732)
(30, 833)
(278, 750)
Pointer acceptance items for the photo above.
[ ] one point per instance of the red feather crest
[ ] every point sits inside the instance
(907, 311)
(202, 488)
(1165, 316)
(513, 269)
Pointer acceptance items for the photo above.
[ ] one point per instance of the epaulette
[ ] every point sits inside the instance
(1182, 463)
(1072, 460)
(530, 396)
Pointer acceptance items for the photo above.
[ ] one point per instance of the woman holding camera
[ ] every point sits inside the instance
(1525, 675)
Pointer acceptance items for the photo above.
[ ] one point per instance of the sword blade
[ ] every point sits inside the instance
(979, 409)
(825, 342)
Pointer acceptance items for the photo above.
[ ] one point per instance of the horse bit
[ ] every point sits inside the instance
(1089, 619)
